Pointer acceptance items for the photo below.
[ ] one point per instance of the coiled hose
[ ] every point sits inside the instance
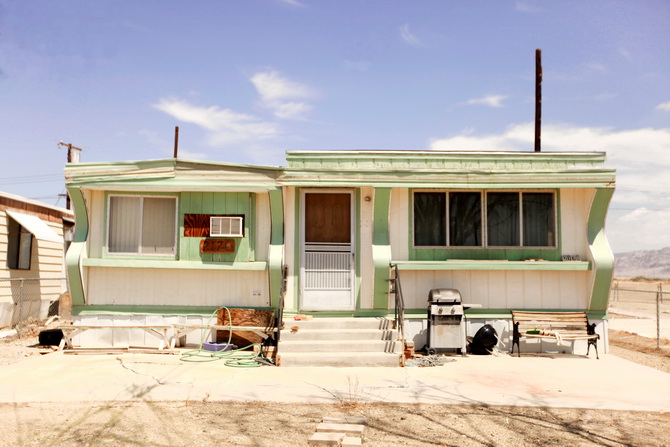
(234, 358)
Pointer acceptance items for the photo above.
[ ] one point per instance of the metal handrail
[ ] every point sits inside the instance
(280, 307)
(399, 311)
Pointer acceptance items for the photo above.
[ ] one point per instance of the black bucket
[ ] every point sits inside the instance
(484, 340)
(50, 337)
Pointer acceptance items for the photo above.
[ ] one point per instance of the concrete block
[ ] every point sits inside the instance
(340, 428)
(326, 438)
(338, 439)
(345, 420)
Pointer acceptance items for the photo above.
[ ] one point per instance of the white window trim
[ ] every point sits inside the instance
(484, 223)
(230, 234)
(139, 253)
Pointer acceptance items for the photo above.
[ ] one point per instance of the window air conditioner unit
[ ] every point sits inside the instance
(226, 226)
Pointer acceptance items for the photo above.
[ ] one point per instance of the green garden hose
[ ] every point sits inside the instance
(233, 358)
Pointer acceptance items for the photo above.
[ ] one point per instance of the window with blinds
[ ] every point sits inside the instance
(142, 225)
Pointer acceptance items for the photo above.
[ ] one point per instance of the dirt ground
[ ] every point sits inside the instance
(256, 424)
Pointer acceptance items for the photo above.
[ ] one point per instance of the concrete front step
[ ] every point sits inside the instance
(339, 359)
(337, 334)
(337, 345)
(338, 341)
(340, 323)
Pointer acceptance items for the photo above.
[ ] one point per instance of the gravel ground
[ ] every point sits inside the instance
(265, 424)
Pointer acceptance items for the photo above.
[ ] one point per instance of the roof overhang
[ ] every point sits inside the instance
(36, 226)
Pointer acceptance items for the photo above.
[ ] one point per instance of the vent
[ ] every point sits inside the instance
(226, 226)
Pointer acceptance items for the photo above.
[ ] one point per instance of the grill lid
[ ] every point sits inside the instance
(445, 296)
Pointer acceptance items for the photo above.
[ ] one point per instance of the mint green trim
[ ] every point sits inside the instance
(152, 310)
(381, 247)
(488, 314)
(276, 252)
(77, 249)
(172, 264)
(381, 160)
(357, 249)
(464, 181)
(603, 258)
(579, 266)
(342, 313)
(227, 203)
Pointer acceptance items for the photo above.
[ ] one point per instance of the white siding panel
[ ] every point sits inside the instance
(157, 287)
(497, 292)
(96, 208)
(367, 270)
(479, 288)
(291, 244)
(575, 204)
(515, 290)
(551, 291)
(398, 224)
(501, 289)
(532, 290)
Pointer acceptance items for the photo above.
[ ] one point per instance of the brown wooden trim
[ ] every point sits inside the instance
(42, 212)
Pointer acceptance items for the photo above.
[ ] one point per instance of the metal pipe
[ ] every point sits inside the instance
(176, 141)
(538, 99)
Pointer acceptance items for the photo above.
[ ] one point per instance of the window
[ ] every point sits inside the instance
(465, 219)
(19, 247)
(226, 226)
(430, 219)
(508, 219)
(142, 225)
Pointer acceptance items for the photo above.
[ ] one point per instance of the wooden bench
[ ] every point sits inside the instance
(558, 326)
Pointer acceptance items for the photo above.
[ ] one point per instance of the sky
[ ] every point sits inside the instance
(248, 80)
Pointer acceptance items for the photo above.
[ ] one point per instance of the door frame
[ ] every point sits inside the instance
(353, 249)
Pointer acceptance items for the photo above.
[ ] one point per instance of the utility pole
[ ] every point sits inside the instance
(72, 157)
(176, 141)
(538, 100)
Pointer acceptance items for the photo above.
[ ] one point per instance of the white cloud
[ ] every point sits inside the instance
(292, 2)
(640, 156)
(527, 6)
(490, 100)
(286, 99)
(596, 66)
(361, 66)
(408, 37)
(665, 106)
(225, 125)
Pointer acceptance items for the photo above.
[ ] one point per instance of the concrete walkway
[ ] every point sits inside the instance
(560, 381)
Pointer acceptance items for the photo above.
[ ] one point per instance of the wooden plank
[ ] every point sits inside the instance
(245, 318)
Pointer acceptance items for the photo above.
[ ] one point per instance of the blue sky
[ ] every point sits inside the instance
(248, 80)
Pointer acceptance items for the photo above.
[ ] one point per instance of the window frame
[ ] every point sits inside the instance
(139, 253)
(484, 219)
(16, 250)
(227, 216)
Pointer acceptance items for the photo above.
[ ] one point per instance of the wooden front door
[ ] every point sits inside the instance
(327, 251)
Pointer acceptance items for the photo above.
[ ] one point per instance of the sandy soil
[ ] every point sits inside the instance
(260, 424)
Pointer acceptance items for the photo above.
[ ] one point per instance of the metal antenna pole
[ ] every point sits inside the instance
(538, 99)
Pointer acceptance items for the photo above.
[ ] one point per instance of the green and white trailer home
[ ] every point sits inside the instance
(164, 241)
